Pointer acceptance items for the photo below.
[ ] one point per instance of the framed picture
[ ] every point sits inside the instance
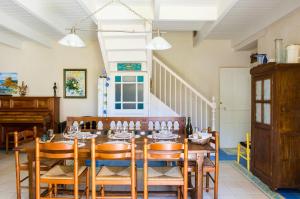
(75, 83)
(8, 83)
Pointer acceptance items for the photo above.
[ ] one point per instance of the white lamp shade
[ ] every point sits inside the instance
(158, 43)
(72, 40)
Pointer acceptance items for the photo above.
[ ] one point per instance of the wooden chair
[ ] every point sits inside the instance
(19, 139)
(157, 176)
(59, 174)
(209, 165)
(243, 150)
(212, 165)
(113, 175)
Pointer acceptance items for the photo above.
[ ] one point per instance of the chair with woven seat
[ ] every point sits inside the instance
(158, 176)
(60, 174)
(19, 139)
(211, 165)
(243, 150)
(113, 175)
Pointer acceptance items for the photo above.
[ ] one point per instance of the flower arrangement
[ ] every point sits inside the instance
(72, 84)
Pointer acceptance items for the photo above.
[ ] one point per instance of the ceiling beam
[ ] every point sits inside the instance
(19, 28)
(223, 10)
(35, 8)
(89, 6)
(10, 40)
(282, 10)
(156, 9)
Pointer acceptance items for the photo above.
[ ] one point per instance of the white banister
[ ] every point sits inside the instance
(185, 94)
(182, 81)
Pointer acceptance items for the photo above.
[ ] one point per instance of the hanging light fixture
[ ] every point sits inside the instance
(72, 40)
(158, 43)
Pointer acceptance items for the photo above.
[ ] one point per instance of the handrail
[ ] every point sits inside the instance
(211, 104)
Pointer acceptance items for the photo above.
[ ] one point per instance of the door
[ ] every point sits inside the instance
(235, 105)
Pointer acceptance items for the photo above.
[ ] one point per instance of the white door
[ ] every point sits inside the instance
(235, 104)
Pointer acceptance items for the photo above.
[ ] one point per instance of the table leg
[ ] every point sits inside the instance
(199, 180)
(31, 175)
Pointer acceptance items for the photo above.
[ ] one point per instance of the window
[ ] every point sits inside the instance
(129, 92)
(263, 101)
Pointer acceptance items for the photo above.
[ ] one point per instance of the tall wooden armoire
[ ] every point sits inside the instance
(275, 127)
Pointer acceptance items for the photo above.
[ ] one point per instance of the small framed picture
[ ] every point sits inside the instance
(75, 83)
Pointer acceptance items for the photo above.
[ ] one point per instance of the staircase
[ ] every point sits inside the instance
(164, 89)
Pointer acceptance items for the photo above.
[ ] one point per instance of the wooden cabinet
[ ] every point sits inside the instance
(17, 113)
(275, 125)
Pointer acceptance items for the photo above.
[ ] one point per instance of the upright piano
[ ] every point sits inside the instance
(19, 113)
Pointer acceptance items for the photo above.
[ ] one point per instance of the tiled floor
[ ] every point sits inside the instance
(233, 184)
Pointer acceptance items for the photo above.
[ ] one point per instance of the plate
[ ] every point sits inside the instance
(81, 135)
(174, 136)
(71, 142)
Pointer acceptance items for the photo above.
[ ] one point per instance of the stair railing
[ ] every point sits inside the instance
(180, 96)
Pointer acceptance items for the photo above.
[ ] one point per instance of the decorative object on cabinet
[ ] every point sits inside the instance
(22, 89)
(279, 51)
(8, 83)
(275, 126)
(54, 89)
(75, 83)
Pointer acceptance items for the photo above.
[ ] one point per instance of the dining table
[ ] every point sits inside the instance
(196, 153)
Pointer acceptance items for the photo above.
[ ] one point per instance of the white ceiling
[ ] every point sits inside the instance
(44, 21)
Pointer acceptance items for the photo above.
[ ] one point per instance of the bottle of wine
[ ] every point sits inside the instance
(191, 128)
(187, 127)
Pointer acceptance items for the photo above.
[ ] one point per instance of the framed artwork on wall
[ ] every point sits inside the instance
(8, 83)
(75, 83)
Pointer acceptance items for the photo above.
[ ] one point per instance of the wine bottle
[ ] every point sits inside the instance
(191, 128)
(187, 127)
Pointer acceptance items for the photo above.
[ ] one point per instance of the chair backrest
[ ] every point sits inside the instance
(165, 151)
(24, 136)
(215, 143)
(56, 151)
(113, 151)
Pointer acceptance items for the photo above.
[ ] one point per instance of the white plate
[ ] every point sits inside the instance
(81, 135)
(174, 136)
(71, 142)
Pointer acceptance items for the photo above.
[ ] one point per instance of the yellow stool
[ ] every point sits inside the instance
(243, 150)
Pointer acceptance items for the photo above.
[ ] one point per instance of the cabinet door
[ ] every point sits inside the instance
(261, 128)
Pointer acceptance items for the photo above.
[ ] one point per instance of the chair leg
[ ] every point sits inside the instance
(178, 192)
(50, 190)
(102, 191)
(248, 159)
(87, 191)
(6, 143)
(216, 188)
(207, 182)
(18, 183)
(238, 153)
(55, 190)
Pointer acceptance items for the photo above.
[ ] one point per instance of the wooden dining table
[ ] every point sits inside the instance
(196, 153)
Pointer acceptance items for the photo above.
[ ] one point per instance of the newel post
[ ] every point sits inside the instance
(213, 115)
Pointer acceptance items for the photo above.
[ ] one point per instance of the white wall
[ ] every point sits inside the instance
(40, 67)
(287, 28)
(200, 65)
